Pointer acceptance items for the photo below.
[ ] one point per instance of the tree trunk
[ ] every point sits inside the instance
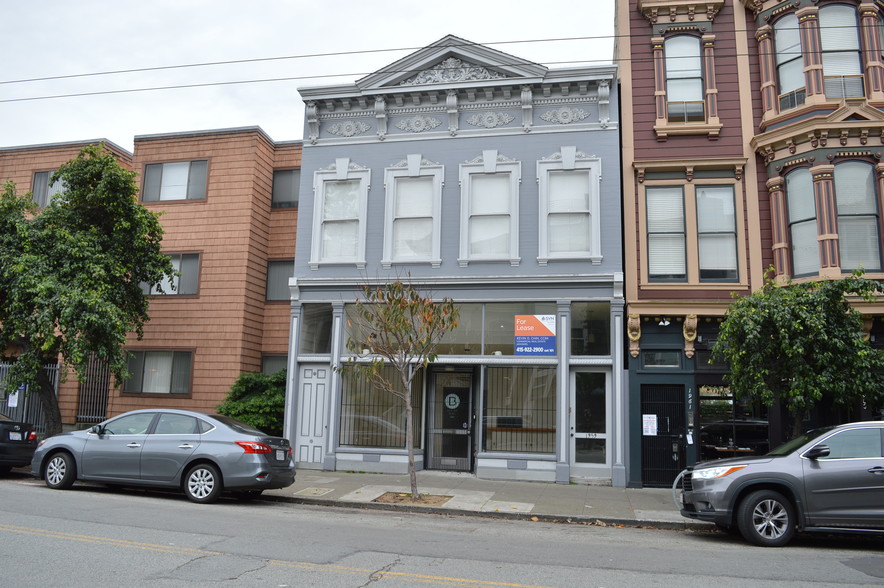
(409, 445)
(49, 402)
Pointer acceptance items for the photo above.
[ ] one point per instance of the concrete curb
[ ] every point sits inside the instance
(517, 516)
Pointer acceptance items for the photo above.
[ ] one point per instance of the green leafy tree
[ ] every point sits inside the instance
(799, 343)
(257, 400)
(70, 274)
(399, 327)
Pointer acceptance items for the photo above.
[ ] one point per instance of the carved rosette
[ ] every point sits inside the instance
(634, 332)
(565, 115)
(490, 120)
(689, 330)
(418, 124)
(349, 128)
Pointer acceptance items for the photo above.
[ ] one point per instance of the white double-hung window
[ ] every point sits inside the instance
(489, 209)
(569, 224)
(339, 215)
(413, 212)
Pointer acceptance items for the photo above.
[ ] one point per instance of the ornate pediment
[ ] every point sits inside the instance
(679, 11)
(452, 70)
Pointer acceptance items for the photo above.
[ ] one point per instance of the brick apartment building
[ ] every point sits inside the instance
(228, 200)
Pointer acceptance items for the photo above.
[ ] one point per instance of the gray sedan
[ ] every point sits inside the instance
(201, 454)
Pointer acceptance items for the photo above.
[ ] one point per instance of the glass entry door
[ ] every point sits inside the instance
(450, 428)
(589, 427)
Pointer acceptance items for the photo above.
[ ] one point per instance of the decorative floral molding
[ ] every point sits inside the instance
(349, 128)
(452, 70)
(418, 124)
(489, 119)
(634, 333)
(565, 115)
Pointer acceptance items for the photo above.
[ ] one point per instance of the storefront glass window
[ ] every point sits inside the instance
(466, 338)
(520, 409)
(500, 320)
(590, 328)
(371, 417)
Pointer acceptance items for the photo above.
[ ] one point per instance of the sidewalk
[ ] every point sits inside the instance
(643, 507)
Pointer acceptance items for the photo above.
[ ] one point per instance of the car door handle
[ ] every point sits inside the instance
(185, 446)
(134, 445)
(877, 470)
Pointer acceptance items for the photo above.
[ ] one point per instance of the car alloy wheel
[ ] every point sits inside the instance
(60, 471)
(765, 518)
(202, 483)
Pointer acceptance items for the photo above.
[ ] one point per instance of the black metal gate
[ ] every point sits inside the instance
(663, 433)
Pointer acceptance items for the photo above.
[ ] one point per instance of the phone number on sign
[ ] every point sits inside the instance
(533, 350)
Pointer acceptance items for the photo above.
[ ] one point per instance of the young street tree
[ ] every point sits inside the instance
(799, 343)
(71, 274)
(399, 327)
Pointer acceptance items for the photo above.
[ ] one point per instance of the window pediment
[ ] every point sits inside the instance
(679, 11)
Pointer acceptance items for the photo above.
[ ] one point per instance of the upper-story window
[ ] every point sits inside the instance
(159, 372)
(692, 233)
(839, 38)
(790, 62)
(802, 223)
(184, 282)
(716, 233)
(278, 274)
(340, 213)
(181, 180)
(666, 234)
(42, 191)
(412, 231)
(685, 100)
(490, 209)
(856, 200)
(285, 188)
(569, 224)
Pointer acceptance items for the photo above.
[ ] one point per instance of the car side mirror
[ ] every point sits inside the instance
(817, 452)
(97, 430)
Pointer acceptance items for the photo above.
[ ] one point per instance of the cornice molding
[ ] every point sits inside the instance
(679, 11)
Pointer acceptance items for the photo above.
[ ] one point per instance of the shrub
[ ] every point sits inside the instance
(257, 400)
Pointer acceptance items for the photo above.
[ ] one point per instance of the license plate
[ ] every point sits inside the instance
(14, 436)
(280, 455)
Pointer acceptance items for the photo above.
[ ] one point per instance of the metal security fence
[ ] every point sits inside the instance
(23, 406)
(94, 388)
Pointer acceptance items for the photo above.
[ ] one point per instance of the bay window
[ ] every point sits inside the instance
(839, 38)
(856, 200)
(790, 62)
(802, 222)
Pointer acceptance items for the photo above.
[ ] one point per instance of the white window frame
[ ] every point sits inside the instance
(343, 169)
(489, 163)
(413, 167)
(675, 72)
(42, 191)
(170, 285)
(569, 159)
(192, 191)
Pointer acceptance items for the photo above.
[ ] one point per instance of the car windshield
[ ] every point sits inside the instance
(790, 446)
(238, 426)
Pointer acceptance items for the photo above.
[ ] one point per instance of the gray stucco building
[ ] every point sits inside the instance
(481, 176)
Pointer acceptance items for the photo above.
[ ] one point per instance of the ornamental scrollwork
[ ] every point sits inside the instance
(418, 124)
(348, 128)
(490, 120)
(565, 115)
(452, 70)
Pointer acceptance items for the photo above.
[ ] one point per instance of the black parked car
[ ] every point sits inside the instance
(18, 441)
(830, 479)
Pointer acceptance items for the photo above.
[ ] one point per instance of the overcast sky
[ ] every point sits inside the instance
(282, 40)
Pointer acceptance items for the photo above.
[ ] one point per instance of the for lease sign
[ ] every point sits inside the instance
(535, 334)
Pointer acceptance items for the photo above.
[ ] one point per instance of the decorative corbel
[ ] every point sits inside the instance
(312, 121)
(691, 13)
(738, 172)
(791, 144)
(380, 113)
(634, 333)
(689, 330)
(451, 103)
(673, 13)
(527, 108)
(689, 173)
(864, 136)
(641, 175)
(844, 134)
(824, 137)
(814, 140)
(604, 103)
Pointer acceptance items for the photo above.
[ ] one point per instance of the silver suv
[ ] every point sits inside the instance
(829, 479)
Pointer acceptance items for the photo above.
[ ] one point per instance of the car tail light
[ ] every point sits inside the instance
(254, 447)
(32, 436)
